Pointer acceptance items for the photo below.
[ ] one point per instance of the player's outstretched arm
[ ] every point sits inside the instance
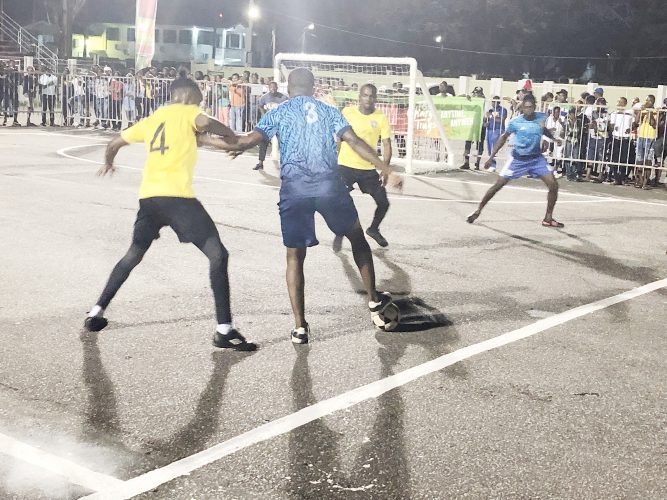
(110, 154)
(501, 142)
(368, 154)
(233, 143)
(205, 123)
(386, 151)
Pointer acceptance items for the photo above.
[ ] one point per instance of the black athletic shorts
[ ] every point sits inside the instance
(367, 180)
(186, 216)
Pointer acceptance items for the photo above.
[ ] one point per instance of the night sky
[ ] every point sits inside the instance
(513, 30)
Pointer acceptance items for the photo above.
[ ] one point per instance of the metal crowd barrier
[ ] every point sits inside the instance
(114, 102)
(600, 141)
(610, 142)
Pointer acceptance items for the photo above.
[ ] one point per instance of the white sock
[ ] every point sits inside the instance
(223, 328)
(95, 311)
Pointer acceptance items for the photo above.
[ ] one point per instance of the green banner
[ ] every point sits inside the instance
(461, 117)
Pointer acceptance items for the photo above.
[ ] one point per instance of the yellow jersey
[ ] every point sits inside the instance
(171, 145)
(370, 128)
(646, 131)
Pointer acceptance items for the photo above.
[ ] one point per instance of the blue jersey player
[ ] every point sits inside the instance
(527, 159)
(307, 131)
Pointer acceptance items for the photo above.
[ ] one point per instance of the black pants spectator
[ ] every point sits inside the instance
(48, 102)
(139, 105)
(619, 153)
(263, 146)
(116, 113)
(480, 148)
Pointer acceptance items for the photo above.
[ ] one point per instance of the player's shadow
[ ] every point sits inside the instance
(103, 422)
(101, 413)
(590, 255)
(416, 314)
(593, 257)
(268, 179)
(194, 436)
(380, 468)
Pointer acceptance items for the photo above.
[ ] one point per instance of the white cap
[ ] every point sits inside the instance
(107, 68)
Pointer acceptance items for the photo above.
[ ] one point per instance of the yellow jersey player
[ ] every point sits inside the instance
(166, 198)
(371, 125)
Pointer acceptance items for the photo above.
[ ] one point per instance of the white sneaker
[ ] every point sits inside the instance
(300, 335)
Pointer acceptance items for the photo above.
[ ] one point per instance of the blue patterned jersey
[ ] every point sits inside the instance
(307, 130)
(527, 135)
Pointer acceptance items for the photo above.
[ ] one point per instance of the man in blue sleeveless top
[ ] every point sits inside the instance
(527, 159)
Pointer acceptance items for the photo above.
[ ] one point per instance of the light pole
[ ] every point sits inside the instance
(310, 27)
(221, 16)
(438, 39)
(253, 15)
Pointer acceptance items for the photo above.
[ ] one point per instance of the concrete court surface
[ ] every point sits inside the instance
(575, 410)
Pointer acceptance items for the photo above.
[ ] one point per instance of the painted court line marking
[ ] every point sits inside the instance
(49, 134)
(185, 466)
(595, 199)
(61, 466)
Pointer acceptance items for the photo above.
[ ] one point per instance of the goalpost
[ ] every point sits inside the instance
(419, 141)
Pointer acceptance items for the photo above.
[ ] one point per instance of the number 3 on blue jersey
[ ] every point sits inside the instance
(311, 116)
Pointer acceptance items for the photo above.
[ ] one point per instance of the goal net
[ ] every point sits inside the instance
(419, 141)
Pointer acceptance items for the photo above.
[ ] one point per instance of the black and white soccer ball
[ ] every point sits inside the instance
(388, 319)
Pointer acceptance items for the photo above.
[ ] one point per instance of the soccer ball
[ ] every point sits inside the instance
(389, 319)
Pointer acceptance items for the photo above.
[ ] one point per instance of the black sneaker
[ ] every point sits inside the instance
(465, 166)
(95, 323)
(375, 234)
(300, 335)
(233, 340)
(259, 166)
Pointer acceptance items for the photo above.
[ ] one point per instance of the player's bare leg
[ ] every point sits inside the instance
(363, 257)
(552, 197)
(500, 182)
(296, 284)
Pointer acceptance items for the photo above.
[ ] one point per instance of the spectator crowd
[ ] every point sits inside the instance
(106, 99)
(598, 142)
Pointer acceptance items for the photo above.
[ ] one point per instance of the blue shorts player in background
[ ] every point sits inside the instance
(307, 131)
(527, 159)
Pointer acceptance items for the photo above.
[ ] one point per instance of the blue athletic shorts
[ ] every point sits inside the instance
(297, 217)
(517, 167)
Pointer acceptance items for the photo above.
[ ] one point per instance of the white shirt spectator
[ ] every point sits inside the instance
(49, 84)
(621, 123)
(600, 121)
(555, 125)
(79, 89)
(102, 88)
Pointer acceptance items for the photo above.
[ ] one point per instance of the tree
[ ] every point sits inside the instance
(63, 13)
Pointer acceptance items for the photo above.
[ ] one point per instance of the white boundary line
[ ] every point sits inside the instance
(598, 199)
(595, 199)
(283, 425)
(61, 466)
(49, 134)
